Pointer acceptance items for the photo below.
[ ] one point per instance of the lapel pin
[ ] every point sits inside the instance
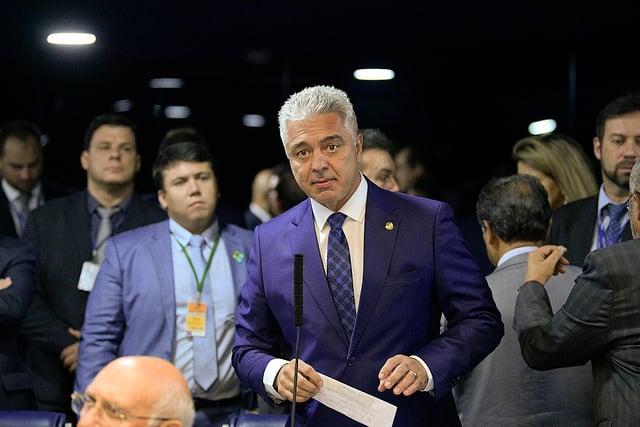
(388, 226)
(238, 256)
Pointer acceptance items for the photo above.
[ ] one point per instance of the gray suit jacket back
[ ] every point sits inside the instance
(502, 390)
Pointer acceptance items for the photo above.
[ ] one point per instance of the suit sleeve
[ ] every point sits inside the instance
(576, 331)
(104, 321)
(18, 264)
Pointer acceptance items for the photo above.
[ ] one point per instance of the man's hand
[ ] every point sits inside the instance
(544, 262)
(308, 381)
(404, 374)
(5, 282)
(69, 355)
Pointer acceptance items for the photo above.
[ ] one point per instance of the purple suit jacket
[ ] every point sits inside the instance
(414, 271)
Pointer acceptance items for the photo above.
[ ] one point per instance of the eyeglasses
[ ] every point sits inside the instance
(80, 402)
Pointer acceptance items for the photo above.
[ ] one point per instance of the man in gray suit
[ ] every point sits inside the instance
(502, 390)
(600, 321)
(150, 298)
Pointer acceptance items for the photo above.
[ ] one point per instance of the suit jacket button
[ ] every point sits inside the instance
(351, 361)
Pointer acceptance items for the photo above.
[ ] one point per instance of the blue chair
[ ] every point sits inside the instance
(32, 419)
(259, 420)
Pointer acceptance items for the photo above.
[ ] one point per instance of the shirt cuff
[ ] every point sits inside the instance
(269, 376)
(429, 386)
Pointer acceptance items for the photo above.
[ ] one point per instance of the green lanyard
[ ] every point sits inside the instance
(200, 282)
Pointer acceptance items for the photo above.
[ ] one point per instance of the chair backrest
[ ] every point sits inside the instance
(259, 420)
(32, 419)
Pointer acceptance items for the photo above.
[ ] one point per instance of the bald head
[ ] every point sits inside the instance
(142, 386)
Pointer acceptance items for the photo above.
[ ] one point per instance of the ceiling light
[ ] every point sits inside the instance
(374, 74)
(123, 105)
(177, 112)
(71, 39)
(166, 83)
(542, 126)
(253, 120)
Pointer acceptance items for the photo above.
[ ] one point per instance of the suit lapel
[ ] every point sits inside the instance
(79, 224)
(380, 233)
(237, 258)
(161, 256)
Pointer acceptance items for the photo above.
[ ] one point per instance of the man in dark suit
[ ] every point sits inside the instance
(599, 321)
(259, 209)
(17, 265)
(145, 286)
(584, 225)
(65, 235)
(21, 164)
(410, 265)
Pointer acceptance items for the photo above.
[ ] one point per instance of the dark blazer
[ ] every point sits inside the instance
(18, 262)
(61, 233)
(416, 267)
(251, 221)
(600, 321)
(50, 191)
(573, 226)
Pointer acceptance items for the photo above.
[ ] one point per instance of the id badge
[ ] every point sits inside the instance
(196, 319)
(88, 275)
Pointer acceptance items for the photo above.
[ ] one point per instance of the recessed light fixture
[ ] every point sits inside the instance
(123, 105)
(542, 126)
(71, 39)
(166, 83)
(177, 112)
(374, 74)
(253, 120)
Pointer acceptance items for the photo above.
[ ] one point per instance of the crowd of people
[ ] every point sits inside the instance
(172, 307)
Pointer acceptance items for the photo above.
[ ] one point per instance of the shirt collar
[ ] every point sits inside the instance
(353, 208)
(183, 235)
(514, 252)
(13, 193)
(92, 203)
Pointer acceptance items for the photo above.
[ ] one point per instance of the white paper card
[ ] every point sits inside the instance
(355, 404)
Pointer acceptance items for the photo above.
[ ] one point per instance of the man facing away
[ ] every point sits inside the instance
(502, 390)
(69, 235)
(372, 304)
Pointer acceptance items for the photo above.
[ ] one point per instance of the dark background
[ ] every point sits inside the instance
(470, 76)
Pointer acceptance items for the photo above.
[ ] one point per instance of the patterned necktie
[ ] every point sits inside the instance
(205, 362)
(613, 231)
(104, 230)
(339, 272)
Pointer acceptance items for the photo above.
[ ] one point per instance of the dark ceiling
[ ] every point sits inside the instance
(470, 76)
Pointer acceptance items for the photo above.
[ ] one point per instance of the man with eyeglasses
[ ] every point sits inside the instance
(599, 321)
(134, 388)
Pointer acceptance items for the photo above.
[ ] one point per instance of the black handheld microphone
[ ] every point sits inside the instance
(297, 322)
(297, 290)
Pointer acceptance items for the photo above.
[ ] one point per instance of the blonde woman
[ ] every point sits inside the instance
(560, 164)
